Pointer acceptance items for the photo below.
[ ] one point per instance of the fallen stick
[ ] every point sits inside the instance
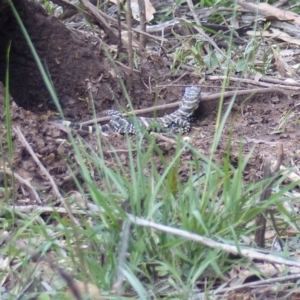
(204, 98)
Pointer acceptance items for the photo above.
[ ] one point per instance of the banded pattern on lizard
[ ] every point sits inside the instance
(178, 121)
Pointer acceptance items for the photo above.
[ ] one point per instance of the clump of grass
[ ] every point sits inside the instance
(109, 250)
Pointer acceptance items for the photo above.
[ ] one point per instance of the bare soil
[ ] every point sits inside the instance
(253, 124)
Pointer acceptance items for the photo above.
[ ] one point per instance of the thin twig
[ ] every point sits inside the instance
(237, 250)
(254, 82)
(95, 12)
(104, 15)
(283, 81)
(129, 45)
(204, 98)
(212, 42)
(163, 138)
(246, 252)
(165, 25)
(261, 282)
(46, 173)
(38, 162)
(43, 209)
(192, 9)
(142, 24)
(122, 151)
(260, 220)
(125, 67)
(119, 47)
(25, 182)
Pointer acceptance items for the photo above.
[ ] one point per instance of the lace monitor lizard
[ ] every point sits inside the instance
(178, 121)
